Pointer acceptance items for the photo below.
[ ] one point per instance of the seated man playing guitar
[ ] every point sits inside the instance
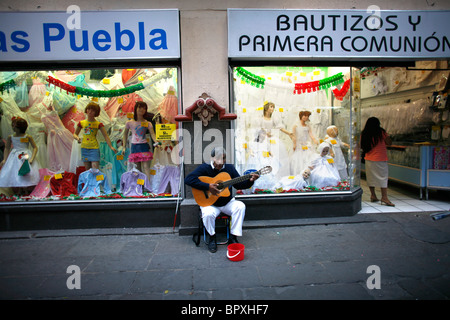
(214, 197)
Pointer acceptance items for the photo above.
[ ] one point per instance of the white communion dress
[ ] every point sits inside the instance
(304, 152)
(9, 174)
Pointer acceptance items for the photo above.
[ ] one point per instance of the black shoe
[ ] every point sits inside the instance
(233, 239)
(212, 245)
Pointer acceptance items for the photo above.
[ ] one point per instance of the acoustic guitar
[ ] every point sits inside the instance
(223, 180)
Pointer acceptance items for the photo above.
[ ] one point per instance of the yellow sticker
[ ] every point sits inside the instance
(244, 110)
(266, 154)
(272, 141)
(24, 140)
(291, 177)
(120, 100)
(144, 124)
(281, 109)
(99, 177)
(165, 131)
(330, 160)
(244, 146)
(58, 176)
(304, 147)
(119, 157)
(140, 182)
(47, 178)
(289, 73)
(333, 141)
(130, 115)
(106, 81)
(153, 172)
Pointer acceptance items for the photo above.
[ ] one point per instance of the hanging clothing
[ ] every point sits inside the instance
(59, 142)
(168, 108)
(133, 182)
(91, 183)
(170, 175)
(37, 92)
(37, 131)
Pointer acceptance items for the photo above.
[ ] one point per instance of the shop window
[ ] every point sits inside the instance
(53, 104)
(303, 122)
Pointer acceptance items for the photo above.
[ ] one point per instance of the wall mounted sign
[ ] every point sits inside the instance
(90, 35)
(338, 34)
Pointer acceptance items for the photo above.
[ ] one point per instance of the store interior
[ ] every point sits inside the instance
(303, 122)
(53, 104)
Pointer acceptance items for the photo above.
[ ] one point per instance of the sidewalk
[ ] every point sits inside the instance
(310, 259)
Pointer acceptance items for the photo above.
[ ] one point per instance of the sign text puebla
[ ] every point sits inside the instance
(44, 36)
(254, 33)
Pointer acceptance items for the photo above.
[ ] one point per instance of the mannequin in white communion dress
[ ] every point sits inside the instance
(268, 149)
(304, 144)
(323, 170)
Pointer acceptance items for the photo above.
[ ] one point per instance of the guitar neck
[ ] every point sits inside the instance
(231, 182)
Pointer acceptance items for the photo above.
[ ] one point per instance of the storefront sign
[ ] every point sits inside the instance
(338, 34)
(44, 36)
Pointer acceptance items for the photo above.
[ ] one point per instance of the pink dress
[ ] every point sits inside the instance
(168, 108)
(42, 189)
(37, 92)
(59, 142)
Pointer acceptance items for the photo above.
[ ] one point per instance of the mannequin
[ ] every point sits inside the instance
(323, 170)
(336, 151)
(140, 148)
(90, 151)
(18, 168)
(303, 148)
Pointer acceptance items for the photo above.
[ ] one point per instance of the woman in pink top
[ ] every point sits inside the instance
(374, 140)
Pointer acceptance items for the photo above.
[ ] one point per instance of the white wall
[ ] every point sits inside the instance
(204, 30)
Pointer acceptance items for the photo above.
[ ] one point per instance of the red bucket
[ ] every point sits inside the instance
(235, 252)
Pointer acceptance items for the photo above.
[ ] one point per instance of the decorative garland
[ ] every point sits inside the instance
(340, 94)
(5, 86)
(299, 88)
(96, 93)
(251, 78)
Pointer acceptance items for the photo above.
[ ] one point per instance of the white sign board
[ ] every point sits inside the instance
(89, 35)
(338, 34)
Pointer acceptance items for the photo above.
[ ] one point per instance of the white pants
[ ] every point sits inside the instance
(234, 208)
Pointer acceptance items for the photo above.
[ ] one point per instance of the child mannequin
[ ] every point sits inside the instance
(336, 144)
(90, 152)
(140, 148)
(294, 182)
(16, 160)
(323, 169)
(302, 136)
